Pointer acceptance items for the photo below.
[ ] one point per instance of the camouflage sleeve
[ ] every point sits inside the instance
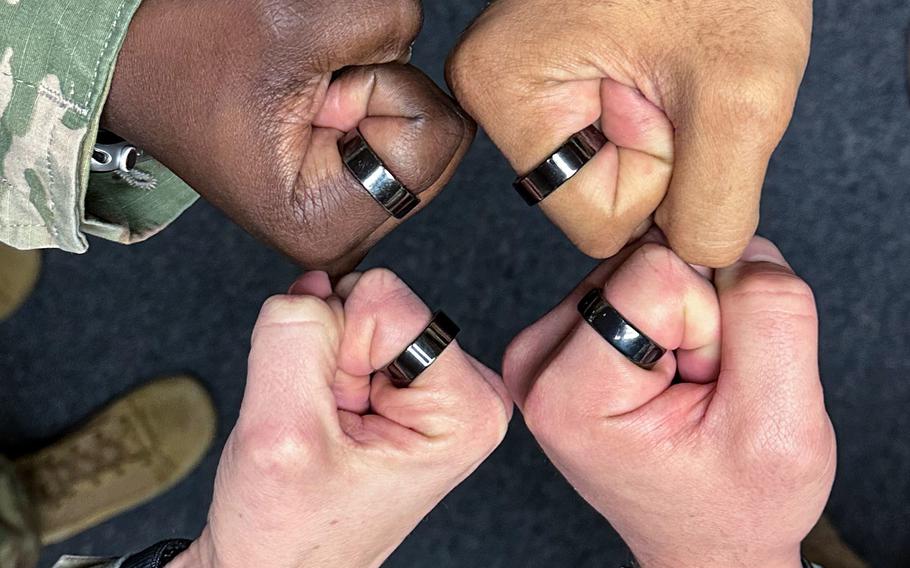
(56, 63)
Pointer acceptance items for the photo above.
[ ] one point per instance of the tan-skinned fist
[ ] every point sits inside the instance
(694, 97)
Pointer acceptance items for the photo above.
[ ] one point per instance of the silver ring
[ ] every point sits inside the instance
(618, 331)
(561, 166)
(423, 351)
(372, 174)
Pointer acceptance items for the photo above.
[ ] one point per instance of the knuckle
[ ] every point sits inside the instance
(281, 18)
(458, 63)
(469, 67)
(387, 26)
(777, 448)
(482, 435)
(385, 286)
(757, 100)
(436, 451)
(790, 454)
(477, 420)
(410, 19)
(278, 453)
(326, 254)
(321, 259)
(451, 451)
(601, 244)
(602, 248)
(492, 423)
(704, 242)
(432, 142)
(377, 27)
(712, 254)
(446, 407)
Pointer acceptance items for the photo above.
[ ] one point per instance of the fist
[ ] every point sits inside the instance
(728, 465)
(247, 100)
(329, 464)
(693, 96)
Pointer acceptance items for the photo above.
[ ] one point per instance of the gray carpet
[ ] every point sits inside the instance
(836, 201)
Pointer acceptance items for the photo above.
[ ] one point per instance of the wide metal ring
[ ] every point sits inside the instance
(423, 351)
(561, 166)
(372, 174)
(618, 331)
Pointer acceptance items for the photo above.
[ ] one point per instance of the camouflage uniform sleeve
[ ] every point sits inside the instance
(56, 63)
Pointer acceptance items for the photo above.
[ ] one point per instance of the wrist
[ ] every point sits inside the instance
(160, 92)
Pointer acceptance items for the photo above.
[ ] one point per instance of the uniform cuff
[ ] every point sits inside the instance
(56, 64)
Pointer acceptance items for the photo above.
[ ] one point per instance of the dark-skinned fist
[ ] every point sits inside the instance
(246, 101)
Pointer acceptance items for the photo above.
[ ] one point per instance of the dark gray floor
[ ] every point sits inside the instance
(836, 201)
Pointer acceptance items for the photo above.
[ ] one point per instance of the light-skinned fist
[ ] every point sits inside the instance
(729, 465)
(329, 465)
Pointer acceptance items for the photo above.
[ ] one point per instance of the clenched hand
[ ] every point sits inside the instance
(330, 465)
(694, 97)
(731, 464)
(247, 99)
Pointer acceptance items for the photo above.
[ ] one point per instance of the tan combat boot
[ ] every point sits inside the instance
(135, 449)
(824, 546)
(18, 275)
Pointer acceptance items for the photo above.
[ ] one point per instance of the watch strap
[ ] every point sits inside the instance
(158, 555)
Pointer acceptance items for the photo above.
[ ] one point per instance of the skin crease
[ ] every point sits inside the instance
(246, 101)
(694, 97)
(320, 449)
(733, 465)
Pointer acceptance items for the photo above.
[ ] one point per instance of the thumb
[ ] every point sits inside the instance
(726, 129)
(603, 205)
(770, 339)
(415, 128)
(382, 317)
(292, 363)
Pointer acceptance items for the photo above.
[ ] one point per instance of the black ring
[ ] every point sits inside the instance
(561, 166)
(423, 351)
(618, 331)
(372, 174)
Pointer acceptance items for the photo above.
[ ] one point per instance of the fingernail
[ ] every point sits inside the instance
(292, 310)
(344, 286)
(703, 270)
(651, 233)
(763, 250)
(315, 283)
